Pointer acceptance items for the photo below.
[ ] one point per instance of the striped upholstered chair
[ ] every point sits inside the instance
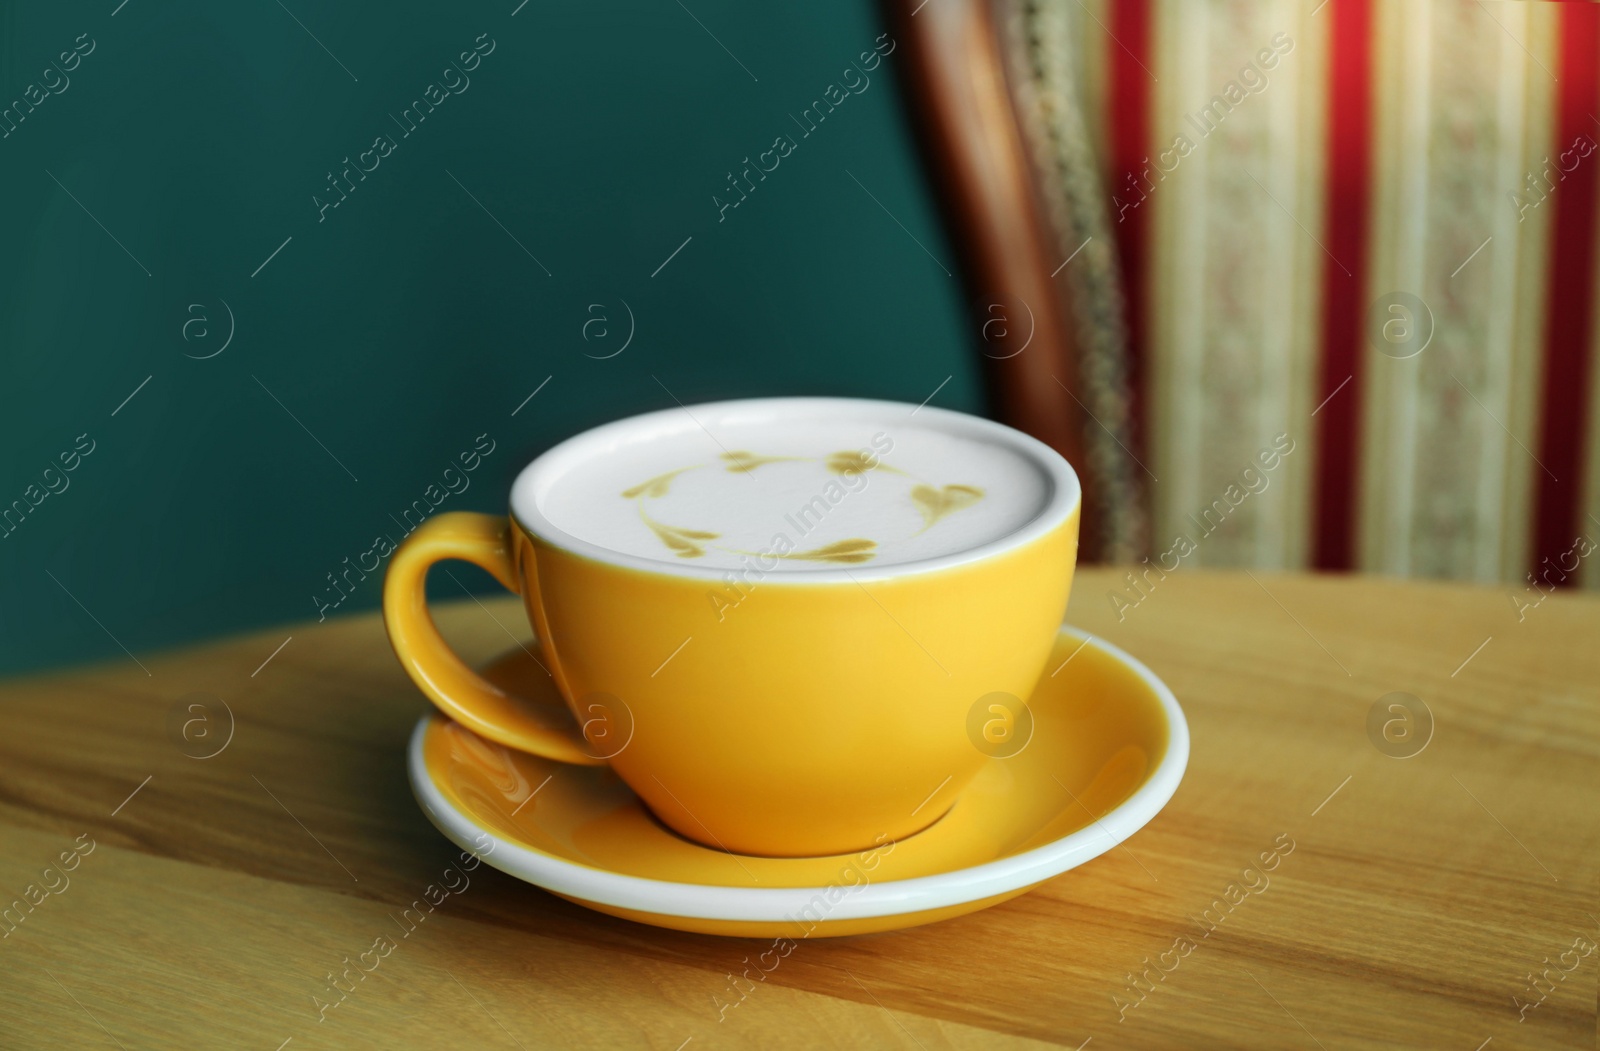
(1355, 240)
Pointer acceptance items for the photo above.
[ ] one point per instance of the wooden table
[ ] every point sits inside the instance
(1419, 895)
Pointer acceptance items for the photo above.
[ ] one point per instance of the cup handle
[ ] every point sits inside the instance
(460, 692)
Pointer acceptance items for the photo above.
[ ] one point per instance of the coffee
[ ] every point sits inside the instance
(797, 492)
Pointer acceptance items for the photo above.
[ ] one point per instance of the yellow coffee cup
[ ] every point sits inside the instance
(828, 713)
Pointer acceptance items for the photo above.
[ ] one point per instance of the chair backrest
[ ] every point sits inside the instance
(1354, 241)
(1054, 358)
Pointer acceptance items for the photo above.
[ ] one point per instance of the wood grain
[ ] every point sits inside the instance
(1417, 898)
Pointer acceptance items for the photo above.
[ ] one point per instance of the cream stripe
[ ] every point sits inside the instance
(1283, 261)
(1410, 262)
(1516, 336)
(1493, 513)
(1403, 57)
(1525, 378)
(1273, 352)
(1306, 136)
(1176, 253)
(1495, 458)
(1387, 63)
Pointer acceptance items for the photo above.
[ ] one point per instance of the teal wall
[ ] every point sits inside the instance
(406, 322)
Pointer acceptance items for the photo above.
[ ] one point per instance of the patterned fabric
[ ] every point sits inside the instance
(1051, 110)
(1364, 230)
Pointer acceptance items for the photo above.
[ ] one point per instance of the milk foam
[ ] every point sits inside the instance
(796, 495)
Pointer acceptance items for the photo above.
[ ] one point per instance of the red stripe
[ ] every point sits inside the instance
(1349, 172)
(1130, 81)
(1568, 328)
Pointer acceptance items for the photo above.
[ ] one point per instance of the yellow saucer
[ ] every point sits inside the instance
(1108, 748)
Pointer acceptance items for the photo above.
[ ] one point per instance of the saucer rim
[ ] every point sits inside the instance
(707, 901)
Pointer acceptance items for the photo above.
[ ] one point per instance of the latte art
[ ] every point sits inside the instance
(797, 495)
(851, 466)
